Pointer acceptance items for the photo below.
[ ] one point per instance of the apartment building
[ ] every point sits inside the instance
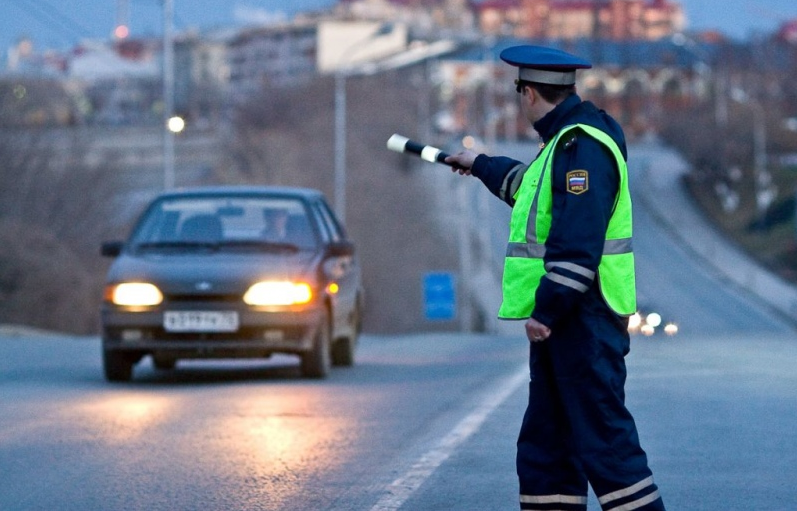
(615, 20)
(275, 55)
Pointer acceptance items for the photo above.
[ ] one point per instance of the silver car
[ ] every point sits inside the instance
(229, 272)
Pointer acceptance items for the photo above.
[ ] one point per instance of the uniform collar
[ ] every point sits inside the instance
(553, 121)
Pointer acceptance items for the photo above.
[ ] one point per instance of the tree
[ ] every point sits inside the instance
(54, 210)
(285, 137)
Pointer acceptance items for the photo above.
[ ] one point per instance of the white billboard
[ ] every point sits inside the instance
(346, 44)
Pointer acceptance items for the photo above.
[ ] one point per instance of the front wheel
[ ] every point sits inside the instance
(118, 366)
(317, 362)
(343, 349)
(343, 352)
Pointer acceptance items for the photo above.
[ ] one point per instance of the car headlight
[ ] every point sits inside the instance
(270, 293)
(134, 294)
(653, 319)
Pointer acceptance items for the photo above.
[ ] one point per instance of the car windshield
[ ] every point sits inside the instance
(226, 223)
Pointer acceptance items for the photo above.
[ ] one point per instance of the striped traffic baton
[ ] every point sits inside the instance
(402, 144)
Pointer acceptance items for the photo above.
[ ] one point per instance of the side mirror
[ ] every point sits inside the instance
(340, 248)
(111, 248)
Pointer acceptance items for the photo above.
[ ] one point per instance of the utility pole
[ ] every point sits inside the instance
(597, 32)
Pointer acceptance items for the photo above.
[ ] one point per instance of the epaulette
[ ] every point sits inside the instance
(570, 142)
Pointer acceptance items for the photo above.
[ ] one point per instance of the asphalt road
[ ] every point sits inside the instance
(424, 422)
(231, 436)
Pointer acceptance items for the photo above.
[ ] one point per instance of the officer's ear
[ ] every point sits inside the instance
(530, 93)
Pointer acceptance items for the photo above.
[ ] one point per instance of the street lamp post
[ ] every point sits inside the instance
(765, 189)
(340, 145)
(759, 139)
(341, 73)
(168, 94)
(762, 180)
(709, 76)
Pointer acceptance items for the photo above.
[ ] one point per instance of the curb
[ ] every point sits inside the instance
(12, 330)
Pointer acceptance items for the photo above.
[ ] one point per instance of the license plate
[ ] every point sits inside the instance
(200, 321)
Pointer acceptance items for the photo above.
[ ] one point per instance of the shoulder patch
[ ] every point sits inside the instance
(577, 181)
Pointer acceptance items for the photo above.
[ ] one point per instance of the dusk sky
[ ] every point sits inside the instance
(62, 23)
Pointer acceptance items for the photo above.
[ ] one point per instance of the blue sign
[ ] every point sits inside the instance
(439, 296)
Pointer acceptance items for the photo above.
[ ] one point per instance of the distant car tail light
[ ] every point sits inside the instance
(133, 294)
(634, 322)
(272, 293)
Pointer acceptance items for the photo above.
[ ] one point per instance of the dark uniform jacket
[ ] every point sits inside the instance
(579, 222)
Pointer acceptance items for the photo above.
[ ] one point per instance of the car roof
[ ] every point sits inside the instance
(242, 190)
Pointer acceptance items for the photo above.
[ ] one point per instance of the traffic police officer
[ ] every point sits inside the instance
(569, 274)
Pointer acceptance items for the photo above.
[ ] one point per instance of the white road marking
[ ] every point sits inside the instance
(397, 493)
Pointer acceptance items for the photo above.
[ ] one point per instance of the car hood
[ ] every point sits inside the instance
(212, 273)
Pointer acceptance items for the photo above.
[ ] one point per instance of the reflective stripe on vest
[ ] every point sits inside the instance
(530, 225)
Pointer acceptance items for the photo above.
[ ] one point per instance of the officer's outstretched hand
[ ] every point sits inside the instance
(462, 161)
(536, 331)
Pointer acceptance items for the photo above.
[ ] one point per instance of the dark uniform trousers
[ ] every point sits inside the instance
(576, 427)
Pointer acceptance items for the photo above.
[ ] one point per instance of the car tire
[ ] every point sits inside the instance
(344, 348)
(343, 352)
(317, 362)
(117, 366)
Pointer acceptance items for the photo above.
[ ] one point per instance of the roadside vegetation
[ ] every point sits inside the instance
(53, 214)
(57, 205)
(286, 137)
(741, 144)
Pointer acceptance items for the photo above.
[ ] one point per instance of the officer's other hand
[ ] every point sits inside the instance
(462, 161)
(536, 331)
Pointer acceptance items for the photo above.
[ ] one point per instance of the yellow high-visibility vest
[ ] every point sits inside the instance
(531, 223)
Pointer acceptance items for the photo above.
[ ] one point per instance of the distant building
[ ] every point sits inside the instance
(23, 59)
(616, 20)
(549, 19)
(36, 101)
(120, 80)
(201, 74)
(788, 32)
(102, 60)
(20, 55)
(276, 55)
(638, 82)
